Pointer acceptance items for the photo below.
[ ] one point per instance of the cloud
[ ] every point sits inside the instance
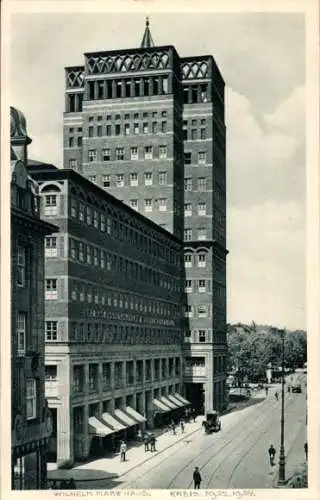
(289, 116)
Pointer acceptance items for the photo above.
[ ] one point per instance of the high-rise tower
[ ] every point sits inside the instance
(148, 126)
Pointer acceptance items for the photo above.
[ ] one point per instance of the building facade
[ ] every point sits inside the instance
(31, 420)
(148, 126)
(114, 340)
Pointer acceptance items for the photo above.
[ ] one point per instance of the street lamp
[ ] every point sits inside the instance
(282, 472)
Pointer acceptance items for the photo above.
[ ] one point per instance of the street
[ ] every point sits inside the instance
(234, 458)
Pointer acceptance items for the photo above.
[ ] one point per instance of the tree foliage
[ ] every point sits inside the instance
(252, 347)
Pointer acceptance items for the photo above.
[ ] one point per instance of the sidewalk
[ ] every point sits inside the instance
(103, 470)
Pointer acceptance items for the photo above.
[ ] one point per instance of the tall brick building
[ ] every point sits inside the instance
(148, 126)
(31, 420)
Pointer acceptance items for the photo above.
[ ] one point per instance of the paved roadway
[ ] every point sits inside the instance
(234, 458)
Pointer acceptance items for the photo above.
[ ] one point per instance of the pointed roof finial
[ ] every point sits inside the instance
(147, 41)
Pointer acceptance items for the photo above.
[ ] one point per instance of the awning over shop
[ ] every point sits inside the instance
(123, 417)
(98, 428)
(169, 403)
(112, 422)
(161, 406)
(135, 414)
(184, 401)
(176, 401)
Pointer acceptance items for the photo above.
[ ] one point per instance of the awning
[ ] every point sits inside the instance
(98, 428)
(112, 422)
(161, 406)
(169, 403)
(123, 417)
(135, 414)
(184, 401)
(176, 400)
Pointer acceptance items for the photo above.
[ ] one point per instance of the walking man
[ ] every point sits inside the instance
(173, 427)
(272, 454)
(182, 426)
(146, 442)
(123, 451)
(196, 478)
(153, 443)
(266, 389)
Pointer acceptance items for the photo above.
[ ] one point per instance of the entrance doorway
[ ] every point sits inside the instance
(195, 394)
(52, 446)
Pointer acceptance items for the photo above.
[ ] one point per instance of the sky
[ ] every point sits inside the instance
(262, 59)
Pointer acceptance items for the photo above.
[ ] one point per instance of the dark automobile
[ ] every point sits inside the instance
(296, 388)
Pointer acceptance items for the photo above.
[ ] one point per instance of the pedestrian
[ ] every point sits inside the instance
(72, 484)
(123, 451)
(276, 395)
(196, 478)
(139, 435)
(306, 450)
(182, 426)
(146, 442)
(194, 415)
(173, 427)
(267, 390)
(272, 453)
(152, 443)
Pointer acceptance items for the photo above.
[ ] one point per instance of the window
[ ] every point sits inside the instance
(163, 113)
(162, 178)
(78, 378)
(202, 335)
(187, 158)
(91, 131)
(185, 134)
(136, 128)
(133, 179)
(162, 152)
(89, 216)
(203, 133)
(202, 311)
(136, 116)
(106, 374)
(188, 287)
(154, 127)
(73, 163)
(188, 184)
(133, 204)
(119, 154)
(21, 266)
(79, 141)
(163, 127)
(92, 155)
(127, 116)
(31, 398)
(163, 204)
(134, 153)
(193, 134)
(202, 157)
(202, 183)
(73, 207)
(188, 260)
(51, 246)
(71, 142)
(95, 219)
(188, 209)
(148, 205)
(51, 289)
(102, 223)
(202, 209)
(106, 181)
(92, 178)
(89, 255)
(148, 179)
(145, 128)
(81, 212)
(203, 122)
(108, 130)
(99, 131)
(202, 286)
(117, 129)
(95, 256)
(74, 291)
(202, 233)
(21, 333)
(148, 153)
(50, 204)
(120, 180)
(188, 311)
(106, 154)
(188, 234)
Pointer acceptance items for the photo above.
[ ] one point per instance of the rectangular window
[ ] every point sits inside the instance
(81, 212)
(21, 266)
(188, 260)
(188, 234)
(134, 153)
(106, 181)
(202, 183)
(148, 154)
(73, 207)
(102, 223)
(154, 127)
(95, 256)
(133, 204)
(106, 154)
(162, 152)
(202, 233)
(51, 289)
(202, 209)
(73, 163)
(134, 179)
(188, 286)
(145, 128)
(202, 335)
(187, 158)
(148, 179)
(79, 142)
(202, 311)
(188, 184)
(203, 133)
(92, 155)
(92, 178)
(71, 142)
(202, 157)
(193, 134)
(91, 131)
(21, 333)
(31, 398)
(95, 219)
(89, 216)
(148, 205)
(163, 127)
(108, 130)
(162, 178)
(50, 204)
(78, 378)
(136, 128)
(188, 312)
(120, 180)
(163, 204)
(99, 131)
(51, 246)
(117, 129)
(119, 154)
(187, 209)
(202, 286)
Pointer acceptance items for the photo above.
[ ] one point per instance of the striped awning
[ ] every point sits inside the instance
(123, 417)
(184, 401)
(160, 405)
(169, 403)
(98, 428)
(135, 414)
(176, 401)
(113, 422)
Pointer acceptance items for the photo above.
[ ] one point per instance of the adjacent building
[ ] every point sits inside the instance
(31, 420)
(113, 305)
(148, 126)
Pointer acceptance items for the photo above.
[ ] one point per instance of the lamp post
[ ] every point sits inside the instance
(282, 472)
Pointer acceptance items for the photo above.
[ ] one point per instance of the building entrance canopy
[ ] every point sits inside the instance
(113, 422)
(123, 417)
(139, 418)
(98, 428)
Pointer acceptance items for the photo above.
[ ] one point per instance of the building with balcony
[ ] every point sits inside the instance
(148, 126)
(31, 421)
(113, 304)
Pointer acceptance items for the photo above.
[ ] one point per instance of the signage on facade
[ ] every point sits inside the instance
(123, 316)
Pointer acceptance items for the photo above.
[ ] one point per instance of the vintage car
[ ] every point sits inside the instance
(212, 423)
